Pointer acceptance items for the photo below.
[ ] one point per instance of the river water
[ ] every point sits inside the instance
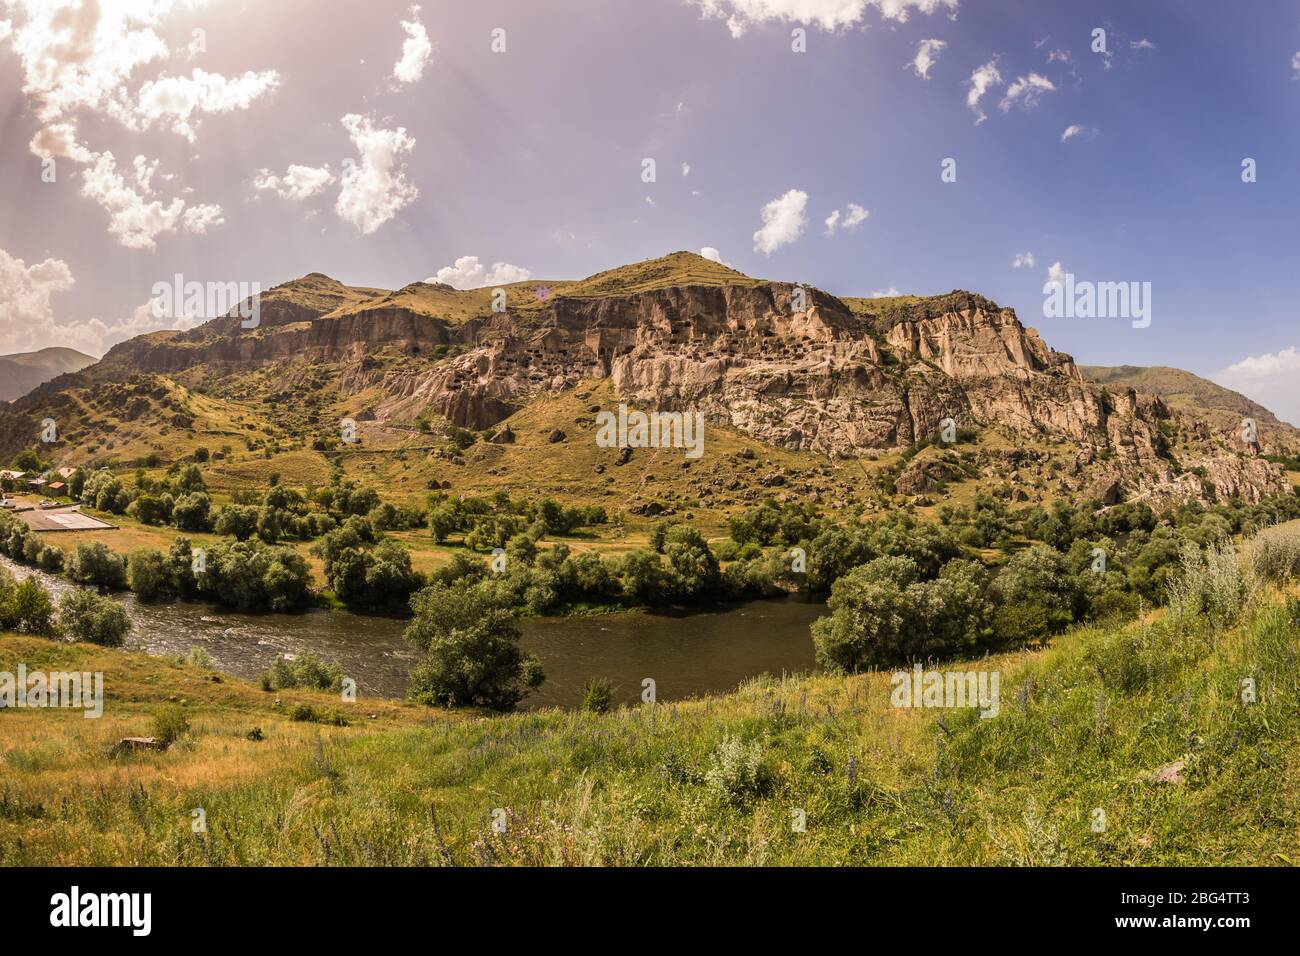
(685, 654)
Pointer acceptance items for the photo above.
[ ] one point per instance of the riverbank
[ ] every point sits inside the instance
(709, 650)
(1146, 723)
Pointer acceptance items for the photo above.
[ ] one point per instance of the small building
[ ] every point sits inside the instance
(36, 484)
(12, 475)
(56, 489)
(67, 473)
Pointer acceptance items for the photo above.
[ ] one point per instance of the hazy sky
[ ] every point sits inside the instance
(382, 144)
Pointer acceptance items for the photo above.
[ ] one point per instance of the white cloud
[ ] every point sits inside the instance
(376, 188)
(199, 219)
(469, 273)
(416, 50)
(981, 81)
(173, 101)
(1058, 56)
(26, 317)
(136, 219)
(298, 182)
(1026, 90)
(926, 56)
(6, 28)
(1295, 64)
(856, 216)
(686, 169)
(784, 221)
(59, 140)
(1023, 260)
(1143, 44)
(1071, 131)
(884, 293)
(827, 14)
(1055, 274)
(713, 255)
(1269, 379)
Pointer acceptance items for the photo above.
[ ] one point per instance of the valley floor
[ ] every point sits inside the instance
(1129, 746)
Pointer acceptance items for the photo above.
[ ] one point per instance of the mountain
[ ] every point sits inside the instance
(22, 372)
(845, 399)
(1184, 390)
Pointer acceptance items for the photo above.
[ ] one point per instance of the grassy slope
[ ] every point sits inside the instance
(1081, 726)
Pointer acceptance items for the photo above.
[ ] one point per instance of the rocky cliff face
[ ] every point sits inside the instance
(792, 367)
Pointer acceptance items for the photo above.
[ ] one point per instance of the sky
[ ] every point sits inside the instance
(861, 146)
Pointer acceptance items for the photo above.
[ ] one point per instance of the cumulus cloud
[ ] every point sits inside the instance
(1269, 379)
(416, 50)
(784, 221)
(375, 189)
(174, 102)
(1026, 91)
(686, 169)
(298, 183)
(469, 273)
(827, 14)
(855, 217)
(1056, 274)
(26, 316)
(884, 293)
(59, 141)
(1071, 131)
(927, 53)
(136, 217)
(981, 81)
(712, 254)
(1023, 260)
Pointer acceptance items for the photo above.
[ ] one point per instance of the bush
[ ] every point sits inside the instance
(170, 724)
(304, 671)
(1213, 581)
(93, 618)
(598, 696)
(149, 575)
(25, 606)
(882, 614)
(472, 655)
(735, 770)
(93, 563)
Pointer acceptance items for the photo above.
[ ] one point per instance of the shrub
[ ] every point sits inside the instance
(735, 770)
(304, 671)
(25, 606)
(474, 662)
(93, 618)
(170, 724)
(93, 563)
(598, 696)
(1214, 581)
(149, 575)
(198, 657)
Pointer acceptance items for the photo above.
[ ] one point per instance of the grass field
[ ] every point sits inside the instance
(1082, 726)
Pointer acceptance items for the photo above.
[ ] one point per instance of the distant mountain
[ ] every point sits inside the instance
(1182, 390)
(785, 372)
(22, 372)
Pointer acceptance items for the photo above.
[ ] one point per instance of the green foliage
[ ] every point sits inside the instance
(305, 670)
(170, 724)
(93, 618)
(93, 563)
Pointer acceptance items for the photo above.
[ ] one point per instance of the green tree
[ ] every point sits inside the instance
(93, 618)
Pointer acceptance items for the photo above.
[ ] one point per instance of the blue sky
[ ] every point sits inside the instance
(533, 157)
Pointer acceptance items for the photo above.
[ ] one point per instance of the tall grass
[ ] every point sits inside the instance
(1274, 553)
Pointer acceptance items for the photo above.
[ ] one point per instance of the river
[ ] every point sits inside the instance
(685, 654)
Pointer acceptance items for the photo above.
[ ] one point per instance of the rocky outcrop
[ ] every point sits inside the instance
(792, 367)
